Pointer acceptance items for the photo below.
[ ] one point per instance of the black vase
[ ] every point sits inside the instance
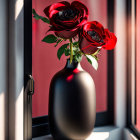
(72, 103)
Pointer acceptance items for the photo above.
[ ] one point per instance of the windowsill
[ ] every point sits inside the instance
(103, 133)
(128, 135)
(100, 133)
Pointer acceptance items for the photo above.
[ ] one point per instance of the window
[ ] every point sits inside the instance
(134, 66)
(41, 62)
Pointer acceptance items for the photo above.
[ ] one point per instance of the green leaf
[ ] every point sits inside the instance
(50, 39)
(67, 51)
(61, 50)
(75, 50)
(77, 57)
(92, 61)
(58, 41)
(37, 17)
(45, 19)
(89, 60)
(75, 43)
(95, 56)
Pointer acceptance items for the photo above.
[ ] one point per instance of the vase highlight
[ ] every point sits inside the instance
(72, 103)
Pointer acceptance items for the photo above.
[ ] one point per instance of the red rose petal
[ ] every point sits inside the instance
(80, 6)
(52, 13)
(69, 28)
(110, 42)
(87, 47)
(82, 23)
(95, 26)
(55, 6)
(65, 3)
(46, 11)
(57, 27)
(67, 33)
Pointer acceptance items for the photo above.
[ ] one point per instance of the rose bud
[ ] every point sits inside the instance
(66, 19)
(93, 36)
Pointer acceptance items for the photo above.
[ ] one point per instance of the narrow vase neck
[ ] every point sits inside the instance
(73, 65)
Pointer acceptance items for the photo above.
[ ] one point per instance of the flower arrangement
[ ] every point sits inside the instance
(69, 21)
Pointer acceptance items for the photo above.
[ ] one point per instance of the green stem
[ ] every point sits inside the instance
(71, 50)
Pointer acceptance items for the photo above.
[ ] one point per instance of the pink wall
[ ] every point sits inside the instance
(138, 65)
(46, 64)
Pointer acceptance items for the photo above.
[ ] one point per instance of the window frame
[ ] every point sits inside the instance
(131, 66)
(40, 124)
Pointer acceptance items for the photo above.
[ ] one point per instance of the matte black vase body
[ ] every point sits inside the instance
(72, 103)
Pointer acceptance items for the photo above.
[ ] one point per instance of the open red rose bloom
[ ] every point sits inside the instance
(66, 19)
(93, 36)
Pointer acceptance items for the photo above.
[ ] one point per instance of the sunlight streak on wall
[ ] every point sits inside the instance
(18, 8)
(19, 115)
(120, 63)
(98, 136)
(16, 69)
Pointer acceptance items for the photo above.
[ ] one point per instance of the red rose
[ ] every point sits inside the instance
(66, 19)
(110, 40)
(94, 36)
